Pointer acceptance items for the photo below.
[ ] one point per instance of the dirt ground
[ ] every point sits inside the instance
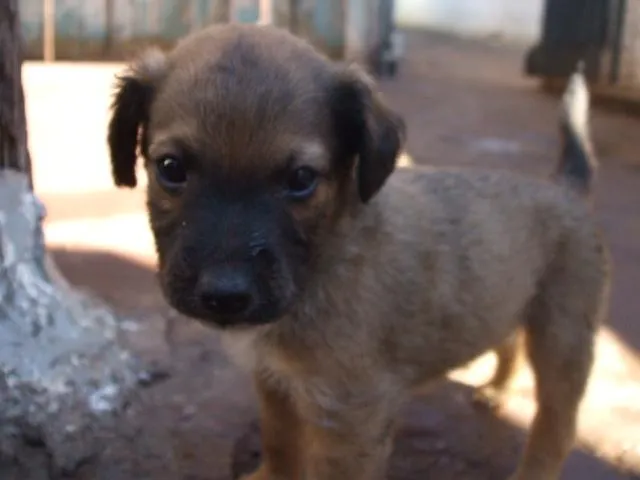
(466, 103)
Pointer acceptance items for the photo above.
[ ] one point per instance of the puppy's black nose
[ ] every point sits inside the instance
(227, 294)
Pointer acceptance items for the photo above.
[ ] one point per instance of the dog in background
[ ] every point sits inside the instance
(344, 285)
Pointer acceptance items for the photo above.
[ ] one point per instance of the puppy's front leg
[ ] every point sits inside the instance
(281, 434)
(349, 442)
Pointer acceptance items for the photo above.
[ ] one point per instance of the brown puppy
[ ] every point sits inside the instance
(344, 286)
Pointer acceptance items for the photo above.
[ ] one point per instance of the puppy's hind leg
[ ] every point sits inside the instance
(562, 324)
(492, 393)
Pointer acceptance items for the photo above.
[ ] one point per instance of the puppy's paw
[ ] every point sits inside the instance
(259, 474)
(518, 476)
(489, 397)
(262, 474)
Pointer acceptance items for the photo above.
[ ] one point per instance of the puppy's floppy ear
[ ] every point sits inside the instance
(366, 128)
(130, 113)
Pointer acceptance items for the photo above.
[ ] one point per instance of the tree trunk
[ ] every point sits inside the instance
(62, 361)
(14, 153)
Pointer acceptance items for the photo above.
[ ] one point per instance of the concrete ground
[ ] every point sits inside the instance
(465, 103)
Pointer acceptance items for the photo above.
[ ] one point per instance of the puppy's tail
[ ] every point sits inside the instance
(578, 164)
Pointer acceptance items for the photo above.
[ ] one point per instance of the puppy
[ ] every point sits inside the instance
(343, 285)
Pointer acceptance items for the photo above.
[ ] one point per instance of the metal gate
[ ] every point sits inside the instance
(116, 29)
(579, 30)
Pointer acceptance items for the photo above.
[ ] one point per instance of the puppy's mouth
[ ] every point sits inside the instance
(259, 316)
(226, 312)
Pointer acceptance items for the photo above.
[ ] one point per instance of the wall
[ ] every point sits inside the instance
(519, 20)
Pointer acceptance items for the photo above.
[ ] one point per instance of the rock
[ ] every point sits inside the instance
(65, 371)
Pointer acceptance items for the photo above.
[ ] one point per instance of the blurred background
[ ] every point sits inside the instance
(477, 82)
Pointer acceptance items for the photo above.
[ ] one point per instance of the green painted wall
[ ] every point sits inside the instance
(83, 31)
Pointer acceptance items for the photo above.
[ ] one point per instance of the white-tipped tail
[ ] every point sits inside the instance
(576, 100)
(578, 163)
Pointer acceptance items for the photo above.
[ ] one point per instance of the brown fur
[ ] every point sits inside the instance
(384, 281)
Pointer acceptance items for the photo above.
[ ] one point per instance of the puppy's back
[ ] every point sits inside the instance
(506, 224)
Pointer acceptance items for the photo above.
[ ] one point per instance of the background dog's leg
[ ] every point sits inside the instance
(492, 393)
(281, 434)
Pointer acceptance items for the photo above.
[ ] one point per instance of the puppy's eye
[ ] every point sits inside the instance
(171, 172)
(302, 182)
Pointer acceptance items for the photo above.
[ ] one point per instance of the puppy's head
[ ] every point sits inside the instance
(255, 146)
